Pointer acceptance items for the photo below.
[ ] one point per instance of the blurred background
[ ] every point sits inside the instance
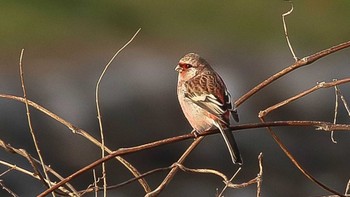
(68, 43)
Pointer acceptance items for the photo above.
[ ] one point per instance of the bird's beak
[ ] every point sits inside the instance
(178, 68)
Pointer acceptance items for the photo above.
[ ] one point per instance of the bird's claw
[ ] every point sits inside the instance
(195, 133)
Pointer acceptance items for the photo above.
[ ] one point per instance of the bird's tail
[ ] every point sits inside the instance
(231, 144)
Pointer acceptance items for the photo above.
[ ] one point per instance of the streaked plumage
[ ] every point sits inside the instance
(205, 100)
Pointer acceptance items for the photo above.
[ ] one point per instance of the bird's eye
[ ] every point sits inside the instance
(187, 65)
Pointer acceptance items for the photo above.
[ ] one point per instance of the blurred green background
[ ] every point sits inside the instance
(67, 44)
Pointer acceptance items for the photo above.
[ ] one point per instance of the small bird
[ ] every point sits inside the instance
(205, 100)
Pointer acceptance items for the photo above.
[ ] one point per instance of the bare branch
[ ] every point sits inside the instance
(32, 162)
(257, 180)
(286, 31)
(7, 189)
(6, 171)
(173, 171)
(78, 131)
(263, 113)
(347, 190)
(32, 174)
(335, 112)
(296, 163)
(95, 183)
(300, 63)
(260, 175)
(229, 182)
(99, 112)
(30, 121)
(344, 101)
(204, 171)
(325, 126)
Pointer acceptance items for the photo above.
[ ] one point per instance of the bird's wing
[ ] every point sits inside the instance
(208, 91)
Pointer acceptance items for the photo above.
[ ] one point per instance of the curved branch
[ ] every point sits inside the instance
(79, 131)
(334, 83)
(298, 64)
(297, 164)
(325, 126)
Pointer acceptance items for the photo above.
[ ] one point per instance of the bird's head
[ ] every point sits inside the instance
(190, 65)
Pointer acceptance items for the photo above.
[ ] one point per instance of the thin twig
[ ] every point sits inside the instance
(19, 169)
(95, 183)
(347, 190)
(300, 63)
(259, 176)
(35, 141)
(324, 126)
(32, 174)
(335, 111)
(204, 171)
(334, 84)
(263, 113)
(173, 171)
(257, 180)
(286, 31)
(93, 187)
(110, 187)
(6, 171)
(99, 112)
(35, 168)
(319, 125)
(7, 189)
(296, 163)
(344, 102)
(338, 94)
(229, 182)
(31, 160)
(141, 176)
(81, 132)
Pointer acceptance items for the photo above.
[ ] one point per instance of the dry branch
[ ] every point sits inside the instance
(36, 174)
(79, 131)
(32, 174)
(99, 111)
(8, 190)
(296, 163)
(263, 113)
(35, 141)
(228, 182)
(324, 126)
(298, 64)
(286, 31)
(173, 171)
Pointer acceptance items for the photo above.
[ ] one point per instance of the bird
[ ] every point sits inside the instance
(205, 101)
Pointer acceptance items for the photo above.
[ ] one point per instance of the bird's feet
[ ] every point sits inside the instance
(195, 133)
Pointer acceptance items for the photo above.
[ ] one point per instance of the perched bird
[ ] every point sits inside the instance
(205, 100)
